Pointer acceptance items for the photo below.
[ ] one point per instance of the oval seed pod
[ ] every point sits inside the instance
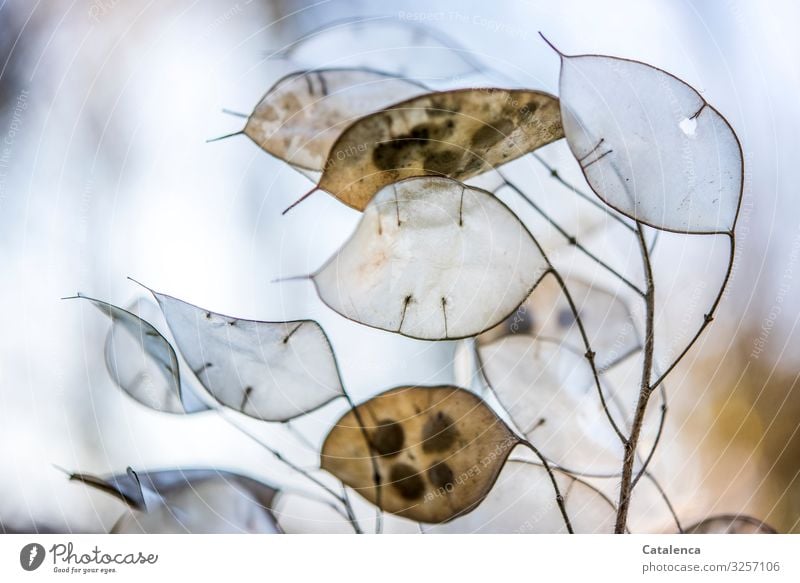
(650, 145)
(549, 392)
(303, 114)
(432, 259)
(201, 501)
(458, 134)
(140, 360)
(730, 524)
(438, 451)
(273, 371)
(606, 317)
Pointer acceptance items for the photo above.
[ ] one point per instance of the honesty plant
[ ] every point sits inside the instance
(533, 420)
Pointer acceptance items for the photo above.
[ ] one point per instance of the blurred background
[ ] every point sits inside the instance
(105, 173)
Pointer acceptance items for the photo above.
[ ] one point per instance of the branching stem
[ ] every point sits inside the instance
(589, 352)
(349, 514)
(645, 390)
(592, 200)
(571, 239)
(573, 477)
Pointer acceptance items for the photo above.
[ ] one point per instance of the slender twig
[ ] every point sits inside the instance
(589, 352)
(559, 498)
(709, 317)
(656, 237)
(301, 437)
(572, 476)
(611, 475)
(645, 390)
(643, 471)
(572, 188)
(554, 173)
(575, 350)
(664, 497)
(349, 513)
(571, 239)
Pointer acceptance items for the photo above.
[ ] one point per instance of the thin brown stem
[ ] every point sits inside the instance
(645, 390)
(571, 239)
(646, 463)
(559, 498)
(666, 499)
(590, 199)
(709, 317)
(350, 514)
(606, 476)
(573, 477)
(589, 352)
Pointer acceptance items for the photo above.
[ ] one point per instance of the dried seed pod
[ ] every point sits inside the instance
(650, 145)
(458, 134)
(549, 392)
(438, 451)
(193, 395)
(433, 259)
(730, 524)
(303, 114)
(273, 371)
(202, 501)
(140, 360)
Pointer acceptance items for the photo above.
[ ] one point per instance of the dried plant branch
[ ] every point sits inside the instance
(647, 388)
(709, 317)
(571, 239)
(645, 464)
(611, 475)
(554, 173)
(666, 500)
(574, 478)
(559, 498)
(626, 483)
(589, 352)
(348, 512)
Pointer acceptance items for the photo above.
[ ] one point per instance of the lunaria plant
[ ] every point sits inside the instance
(537, 432)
